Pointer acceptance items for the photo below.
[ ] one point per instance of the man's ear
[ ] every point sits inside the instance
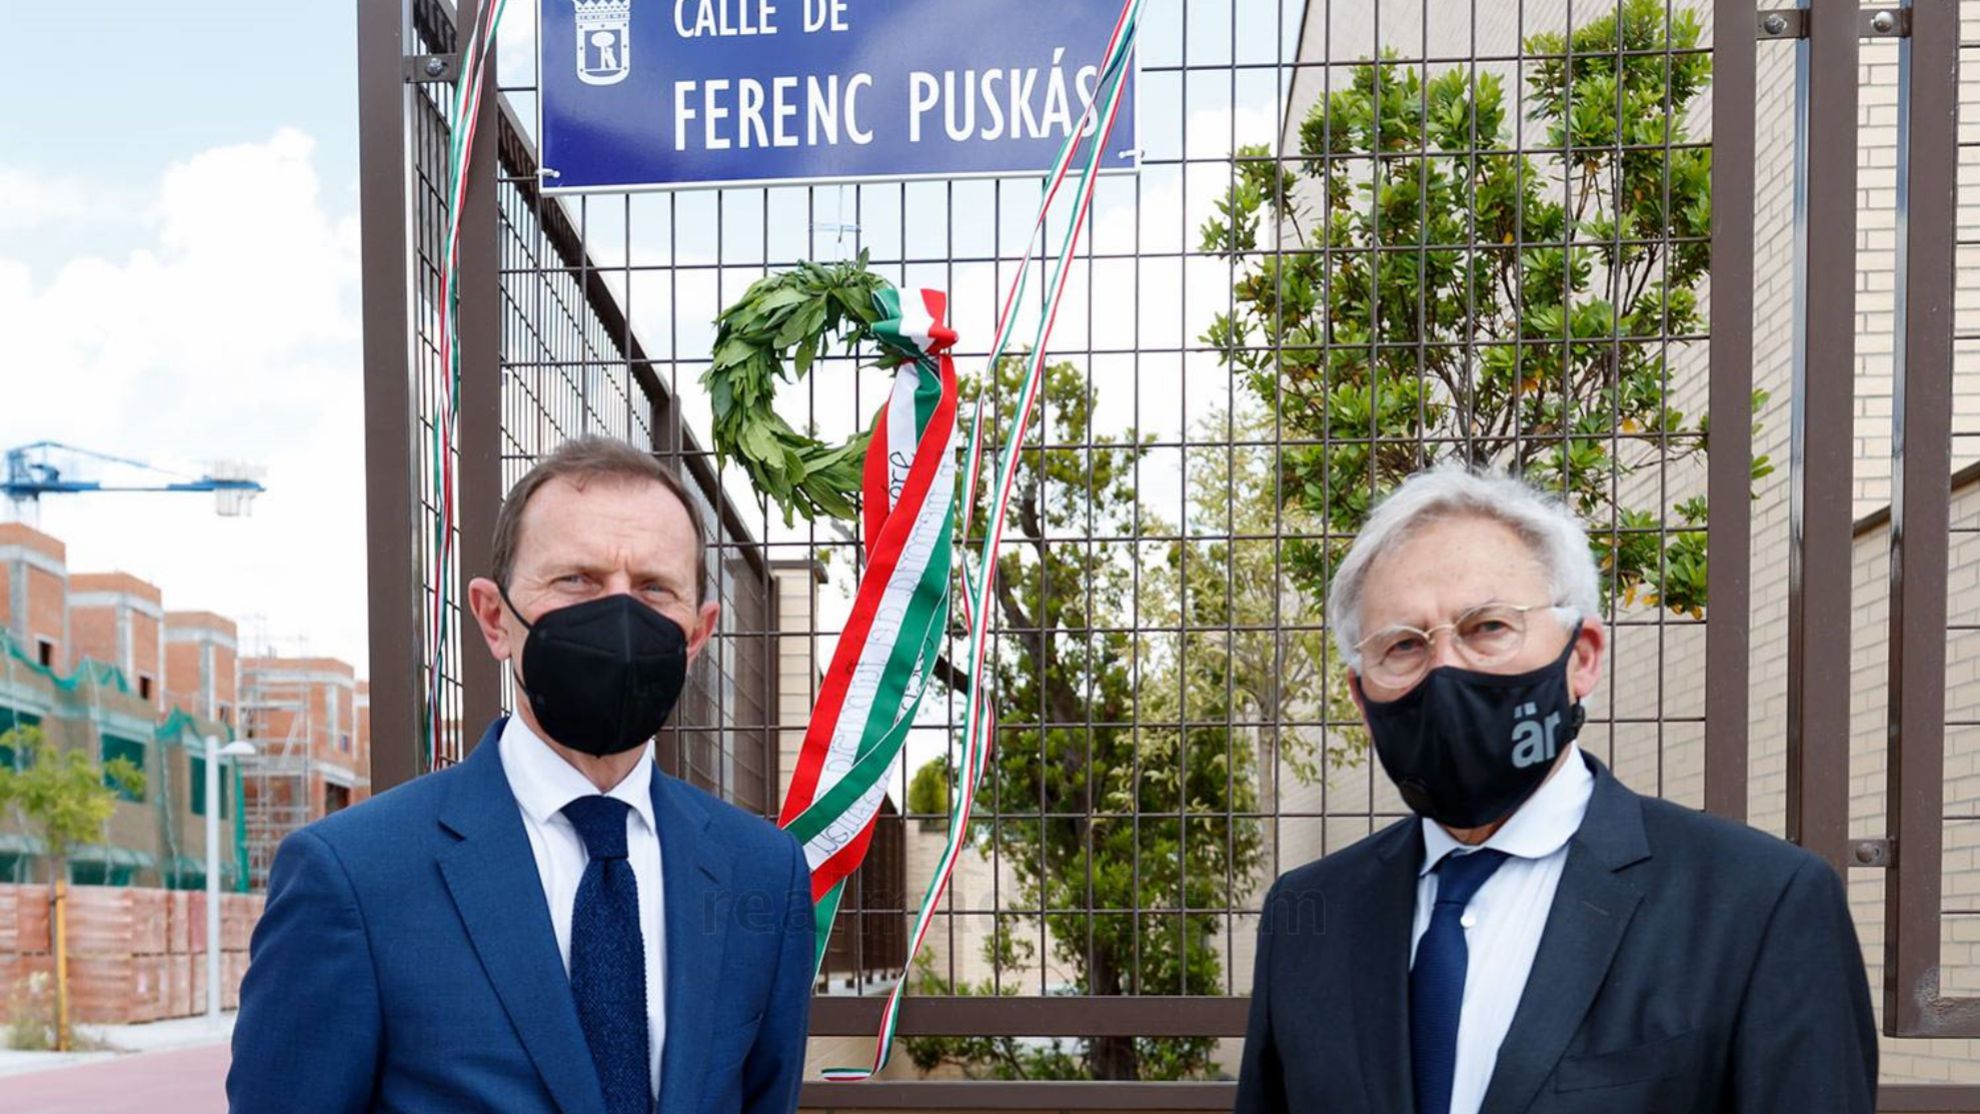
(490, 613)
(704, 625)
(1354, 690)
(1585, 667)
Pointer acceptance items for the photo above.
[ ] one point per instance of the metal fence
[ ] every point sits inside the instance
(1553, 234)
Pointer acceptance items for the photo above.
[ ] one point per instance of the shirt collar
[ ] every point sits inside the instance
(1540, 827)
(543, 783)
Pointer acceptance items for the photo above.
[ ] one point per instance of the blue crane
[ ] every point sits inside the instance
(38, 469)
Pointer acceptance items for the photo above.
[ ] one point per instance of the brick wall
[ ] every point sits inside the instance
(202, 670)
(118, 619)
(35, 594)
(135, 954)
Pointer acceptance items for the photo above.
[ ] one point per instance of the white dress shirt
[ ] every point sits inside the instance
(543, 783)
(1502, 925)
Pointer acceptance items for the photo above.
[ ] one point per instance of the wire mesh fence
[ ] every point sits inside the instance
(1361, 238)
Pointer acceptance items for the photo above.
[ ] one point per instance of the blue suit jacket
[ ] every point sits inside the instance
(406, 961)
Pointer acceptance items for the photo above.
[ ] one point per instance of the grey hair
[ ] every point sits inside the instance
(1556, 537)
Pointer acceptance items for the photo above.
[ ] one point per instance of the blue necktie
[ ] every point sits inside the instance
(608, 957)
(1436, 983)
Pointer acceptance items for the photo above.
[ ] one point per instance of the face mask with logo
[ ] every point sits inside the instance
(603, 674)
(1466, 748)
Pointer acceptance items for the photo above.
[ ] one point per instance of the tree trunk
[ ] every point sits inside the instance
(58, 882)
(1111, 1057)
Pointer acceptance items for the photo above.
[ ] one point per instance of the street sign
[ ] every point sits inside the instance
(655, 94)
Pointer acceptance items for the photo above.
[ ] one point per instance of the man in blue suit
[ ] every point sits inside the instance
(1536, 939)
(553, 925)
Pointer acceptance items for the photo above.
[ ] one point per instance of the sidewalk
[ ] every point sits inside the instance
(187, 1081)
(178, 1067)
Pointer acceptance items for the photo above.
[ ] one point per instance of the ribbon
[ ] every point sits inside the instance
(979, 719)
(887, 652)
(468, 90)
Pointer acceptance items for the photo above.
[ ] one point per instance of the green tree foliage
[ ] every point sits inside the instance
(1458, 287)
(928, 791)
(62, 796)
(1255, 646)
(1116, 772)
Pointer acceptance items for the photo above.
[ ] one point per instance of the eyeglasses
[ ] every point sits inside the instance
(1484, 636)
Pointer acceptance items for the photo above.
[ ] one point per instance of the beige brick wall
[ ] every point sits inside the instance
(1905, 1059)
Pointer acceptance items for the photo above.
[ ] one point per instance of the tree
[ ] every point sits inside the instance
(1447, 296)
(1260, 643)
(1118, 790)
(928, 792)
(64, 797)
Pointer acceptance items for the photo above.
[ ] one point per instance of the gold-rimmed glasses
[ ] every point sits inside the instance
(1482, 637)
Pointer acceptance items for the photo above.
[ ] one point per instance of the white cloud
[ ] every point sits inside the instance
(30, 199)
(229, 330)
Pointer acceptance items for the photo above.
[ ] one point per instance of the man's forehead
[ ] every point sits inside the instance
(1467, 563)
(623, 519)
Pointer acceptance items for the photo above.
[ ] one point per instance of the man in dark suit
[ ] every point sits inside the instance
(1538, 939)
(553, 924)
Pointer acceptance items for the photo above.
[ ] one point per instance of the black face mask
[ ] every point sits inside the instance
(603, 674)
(1467, 748)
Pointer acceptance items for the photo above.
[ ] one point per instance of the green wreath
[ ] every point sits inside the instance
(795, 315)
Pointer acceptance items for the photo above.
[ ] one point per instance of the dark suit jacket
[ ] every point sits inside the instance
(1688, 965)
(406, 961)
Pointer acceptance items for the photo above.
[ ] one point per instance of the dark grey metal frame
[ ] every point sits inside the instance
(1818, 802)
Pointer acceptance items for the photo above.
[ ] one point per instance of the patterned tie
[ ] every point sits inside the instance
(1436, 983)
(608, 957)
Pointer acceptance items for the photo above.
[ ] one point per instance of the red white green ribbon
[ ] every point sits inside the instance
(887, 652)
(468, 89)
(979, 721)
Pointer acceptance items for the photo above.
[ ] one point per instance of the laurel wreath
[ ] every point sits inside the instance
(777, 331)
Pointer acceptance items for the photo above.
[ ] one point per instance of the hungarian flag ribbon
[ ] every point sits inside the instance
(886, 654)
(979, 717)
(475, 43)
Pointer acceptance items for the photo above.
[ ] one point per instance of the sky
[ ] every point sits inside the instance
(178, 284)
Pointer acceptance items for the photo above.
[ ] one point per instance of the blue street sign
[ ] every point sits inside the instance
(663, 93)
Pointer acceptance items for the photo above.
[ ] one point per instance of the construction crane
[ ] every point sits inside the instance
(42, 469)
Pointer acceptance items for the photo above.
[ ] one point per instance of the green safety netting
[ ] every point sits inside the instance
(112, 855)
(17, 851)
(90, 671)
(95, 864)
(175, 730)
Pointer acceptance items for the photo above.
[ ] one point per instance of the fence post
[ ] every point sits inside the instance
(1729, 461)
(393, 596)
(1821, 447)
(1921, 467)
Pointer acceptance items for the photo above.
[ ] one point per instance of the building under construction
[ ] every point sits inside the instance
(97, 664)
(309, 720)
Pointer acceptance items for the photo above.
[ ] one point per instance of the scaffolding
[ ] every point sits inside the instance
(275, 717)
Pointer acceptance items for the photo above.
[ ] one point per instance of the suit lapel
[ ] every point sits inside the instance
(491, 874)
(1591, 914)
(697, 916)
(1379, 956)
